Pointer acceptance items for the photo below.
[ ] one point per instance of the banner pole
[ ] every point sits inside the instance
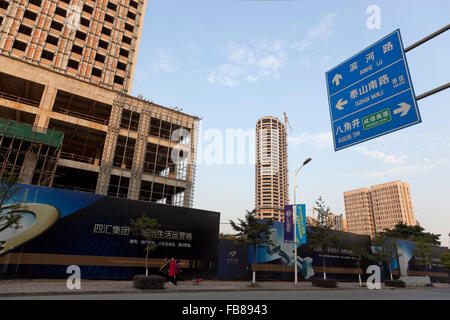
(295, 232)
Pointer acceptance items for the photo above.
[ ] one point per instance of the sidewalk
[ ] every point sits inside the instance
(52, 287)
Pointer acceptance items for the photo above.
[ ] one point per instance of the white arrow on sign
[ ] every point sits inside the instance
(336, 79)
(341, 103)
(404, 108)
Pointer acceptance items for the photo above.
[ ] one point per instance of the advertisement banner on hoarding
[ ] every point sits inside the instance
(288, 223)
(58, 228)
(301, 224)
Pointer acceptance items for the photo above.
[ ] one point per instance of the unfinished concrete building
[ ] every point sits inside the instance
(271, 169)
(95, 41)
(71, 78)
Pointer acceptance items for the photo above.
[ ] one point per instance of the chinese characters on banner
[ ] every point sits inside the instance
(301, 224)
(163, 238)
(288, 223)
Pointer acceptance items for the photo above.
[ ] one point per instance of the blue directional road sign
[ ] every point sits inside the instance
(371, 94)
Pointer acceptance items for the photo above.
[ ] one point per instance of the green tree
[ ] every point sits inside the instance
(423, 253)
(146, 228)
(358, 252)
(385, 250)
(227, 236)
(254, 232)
(411, 233)
(322, 235)
(8, 190)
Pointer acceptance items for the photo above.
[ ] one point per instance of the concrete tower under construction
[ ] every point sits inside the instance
(271, 169)
(67, 119)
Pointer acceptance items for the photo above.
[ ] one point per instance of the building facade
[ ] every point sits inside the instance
(383, 206)
(271, 169)
(358, 212)
(113, 143)
(94, 41)
(337, 222)
(391, 204)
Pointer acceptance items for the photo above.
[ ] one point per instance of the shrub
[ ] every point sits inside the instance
(395, 283)
(149, 282)
(322, 283)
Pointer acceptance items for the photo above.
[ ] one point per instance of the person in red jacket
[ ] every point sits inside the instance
(174, 269)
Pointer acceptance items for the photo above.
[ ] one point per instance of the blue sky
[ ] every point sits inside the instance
(231, 62)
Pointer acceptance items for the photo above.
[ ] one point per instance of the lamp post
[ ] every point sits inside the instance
(295, 217)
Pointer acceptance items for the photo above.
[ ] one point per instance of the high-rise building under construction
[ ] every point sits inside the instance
(271, 169)
(67, 117)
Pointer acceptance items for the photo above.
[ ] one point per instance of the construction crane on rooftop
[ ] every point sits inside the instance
(286, 122)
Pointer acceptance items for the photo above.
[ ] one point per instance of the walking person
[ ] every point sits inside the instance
(172, 277)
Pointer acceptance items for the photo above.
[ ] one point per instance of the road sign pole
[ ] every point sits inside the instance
(428, 38)
(431, 92)
(420, 42)
(295, 229)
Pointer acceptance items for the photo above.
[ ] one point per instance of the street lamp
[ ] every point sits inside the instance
(295, 216)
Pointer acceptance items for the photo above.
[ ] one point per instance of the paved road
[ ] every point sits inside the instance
(349, 294)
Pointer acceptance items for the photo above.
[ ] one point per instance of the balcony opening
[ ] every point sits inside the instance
(52, 40)
(100, 58)
(124, 53)
(109, 18)
(112, 6)
(129, 27)
(4, 4)
(19, 45)
(103, 44)
(61, 12)
(134, 4)
(121, 66)
(25, 30)
(30, 15)
(106, 31)
(47, 55)
(118, 80)
(126, 39)
(56, 25)
(36, 2)
(88, 9)
(77, 49)
(80, 35)
(73, 64)
(96, 72)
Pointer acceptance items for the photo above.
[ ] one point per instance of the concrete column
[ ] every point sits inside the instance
(190, 169)
(139, 154)
(45, 107)
(28, 167)
(110, 146)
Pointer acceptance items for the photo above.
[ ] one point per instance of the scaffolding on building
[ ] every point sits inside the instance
(29, 152)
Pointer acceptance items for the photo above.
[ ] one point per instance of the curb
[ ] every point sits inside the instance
(182, 290)
(137, 291)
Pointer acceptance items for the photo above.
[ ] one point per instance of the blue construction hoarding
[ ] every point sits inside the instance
(59, 228)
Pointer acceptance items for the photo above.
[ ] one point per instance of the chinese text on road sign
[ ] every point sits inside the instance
(371, 94)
